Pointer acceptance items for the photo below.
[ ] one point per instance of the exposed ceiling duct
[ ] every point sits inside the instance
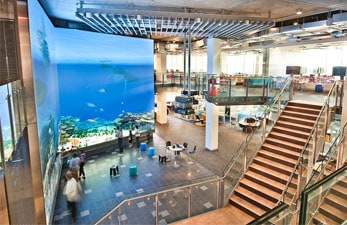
(156, 22)
(311, 32)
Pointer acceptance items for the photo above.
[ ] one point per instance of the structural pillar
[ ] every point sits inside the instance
(213, 67)
(161, 113)
(160, 66)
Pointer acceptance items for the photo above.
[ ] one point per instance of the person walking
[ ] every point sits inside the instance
(83, 157)
(130, 139)
(137, 135)
(74, 165)
(119, 135)
(73, 192)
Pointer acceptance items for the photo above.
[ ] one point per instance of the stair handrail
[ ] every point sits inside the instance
(276, 98)
(249, 137)
(341, 134)
(314, 129)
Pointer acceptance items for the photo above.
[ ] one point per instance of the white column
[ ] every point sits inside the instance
(213, 56)
(160, 57)
(161, 114)
(211, 132)
(213, 67)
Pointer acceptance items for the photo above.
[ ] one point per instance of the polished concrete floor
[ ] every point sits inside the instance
(103, 192)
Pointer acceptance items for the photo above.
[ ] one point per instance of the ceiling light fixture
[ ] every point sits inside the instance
(298, 11)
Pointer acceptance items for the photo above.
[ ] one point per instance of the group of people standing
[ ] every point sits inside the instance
(119, 135)
(72, 188)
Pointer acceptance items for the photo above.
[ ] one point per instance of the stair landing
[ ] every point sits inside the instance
(228, 215)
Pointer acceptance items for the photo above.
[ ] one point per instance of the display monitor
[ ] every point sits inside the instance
(339, 71)
(293, 70)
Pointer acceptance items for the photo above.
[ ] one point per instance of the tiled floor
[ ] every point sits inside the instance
(103, 192)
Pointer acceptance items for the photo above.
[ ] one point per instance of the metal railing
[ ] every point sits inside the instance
(304, 167)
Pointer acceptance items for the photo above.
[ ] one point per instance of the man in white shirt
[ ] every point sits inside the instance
(119, 135)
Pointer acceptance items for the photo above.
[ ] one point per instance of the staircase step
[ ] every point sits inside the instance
(319, 218)
(304, 115)
(254, 198)
(288, 138)
(247, 207)
(299, 127)
(293, 132)
(284, 144)
(287, 161)
(297, 120)
(339, 190)
(302, 107)
(264, 181)
(283, 151)
(333, 213)
(273, 164)
(343, 182)
(259, 189)
(337, 201)
(270, 173)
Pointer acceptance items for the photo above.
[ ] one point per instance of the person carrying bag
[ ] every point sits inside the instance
(73, 192)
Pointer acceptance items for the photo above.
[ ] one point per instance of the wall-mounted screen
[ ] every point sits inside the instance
(339, 71)
(104, 81)
(295, 70)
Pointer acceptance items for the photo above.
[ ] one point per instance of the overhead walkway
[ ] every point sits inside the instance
(227, 90)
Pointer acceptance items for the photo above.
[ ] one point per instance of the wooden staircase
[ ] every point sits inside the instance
(263, 183)
(334, 208)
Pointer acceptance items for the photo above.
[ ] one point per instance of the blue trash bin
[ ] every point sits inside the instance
(133, 170)
(151, 151)
(143, 146)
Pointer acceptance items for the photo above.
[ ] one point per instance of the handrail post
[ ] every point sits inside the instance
(221, 193)
(157, 209)
(189, 202)
(120, 215)
(245, 159)
(297, 195)
(278, 107)
(218, 195)
(263, 128)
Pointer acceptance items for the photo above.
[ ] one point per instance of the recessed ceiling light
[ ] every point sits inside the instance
(298, 11)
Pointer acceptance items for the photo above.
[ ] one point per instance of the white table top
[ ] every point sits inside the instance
(175, 148)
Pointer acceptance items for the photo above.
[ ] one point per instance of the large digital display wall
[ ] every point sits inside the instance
(104, 81)
(85, 85)
(45, 79)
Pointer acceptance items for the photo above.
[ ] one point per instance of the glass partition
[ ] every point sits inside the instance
(316, 195)
(277, 216)
(167, 206)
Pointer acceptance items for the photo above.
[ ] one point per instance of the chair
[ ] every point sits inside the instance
(190, 152)
(185, 146)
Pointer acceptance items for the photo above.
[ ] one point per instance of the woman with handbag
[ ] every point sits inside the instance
(73, 192)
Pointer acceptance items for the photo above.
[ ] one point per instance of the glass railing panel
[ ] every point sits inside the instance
(173, 205)
(233, 172)
(114, 218)
(204, 197)
(280, 215)
(313, 196)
